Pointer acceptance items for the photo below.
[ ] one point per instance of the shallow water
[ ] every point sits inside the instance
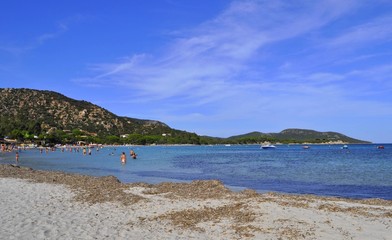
(362, 171)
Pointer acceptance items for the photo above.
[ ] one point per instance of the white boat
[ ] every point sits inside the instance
(344, 147)
(268, 146)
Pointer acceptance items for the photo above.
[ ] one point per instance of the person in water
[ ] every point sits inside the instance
(17, 157)
(123, 158)
(133, 154)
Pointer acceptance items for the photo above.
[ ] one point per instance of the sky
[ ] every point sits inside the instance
(217, 68)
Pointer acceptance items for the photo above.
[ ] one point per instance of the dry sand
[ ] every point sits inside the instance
(54, 205)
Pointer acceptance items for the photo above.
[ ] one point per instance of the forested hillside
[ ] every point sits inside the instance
(26, 113)
(47, 117)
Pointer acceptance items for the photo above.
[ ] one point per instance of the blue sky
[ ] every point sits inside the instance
(217, 68)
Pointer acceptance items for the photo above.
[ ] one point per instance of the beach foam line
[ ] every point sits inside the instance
(55, 205)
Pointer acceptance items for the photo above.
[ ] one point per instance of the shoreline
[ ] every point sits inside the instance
(76, 180)
(231, 188)
(196, 210)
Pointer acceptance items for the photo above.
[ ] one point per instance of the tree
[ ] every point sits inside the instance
(16, 134)
(112, 139)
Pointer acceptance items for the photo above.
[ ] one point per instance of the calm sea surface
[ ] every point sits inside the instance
(361, 171)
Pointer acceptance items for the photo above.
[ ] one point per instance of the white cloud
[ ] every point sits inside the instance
(40, 39)
(36, 42)
(221, 69)
(61, 29)
(213, 56)
(374, 31)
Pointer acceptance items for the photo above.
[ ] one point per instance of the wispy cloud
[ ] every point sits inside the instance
(215, 53)
(40, 39)
(34, 43)
(224, 64)
(61, 29)
(377, 30)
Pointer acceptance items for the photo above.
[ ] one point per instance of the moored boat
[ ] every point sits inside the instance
(268, 146)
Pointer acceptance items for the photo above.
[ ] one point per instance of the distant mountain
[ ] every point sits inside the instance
(46, 110)
(311, 135)
(300, 136)
(249, 135)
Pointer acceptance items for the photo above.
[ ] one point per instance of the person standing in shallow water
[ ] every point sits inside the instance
(133, 154)
(123, 158)
(17, 157)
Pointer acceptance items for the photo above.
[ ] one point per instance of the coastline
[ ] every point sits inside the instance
(57, 205)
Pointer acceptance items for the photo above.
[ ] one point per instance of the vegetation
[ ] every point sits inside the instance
(48, 118)
(297, 136)
(30, 132)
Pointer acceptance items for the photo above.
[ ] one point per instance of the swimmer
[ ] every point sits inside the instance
(133, 154)
(123, 158)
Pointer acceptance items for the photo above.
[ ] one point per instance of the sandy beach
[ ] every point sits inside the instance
(54, 205)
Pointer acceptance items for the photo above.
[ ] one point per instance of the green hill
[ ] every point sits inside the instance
(41, 113)
(305, 135)
(50, 117)
(294, 135)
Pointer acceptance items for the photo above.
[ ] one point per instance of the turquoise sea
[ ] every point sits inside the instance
(361, 171)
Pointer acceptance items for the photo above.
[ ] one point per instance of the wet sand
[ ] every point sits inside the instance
(54, 205)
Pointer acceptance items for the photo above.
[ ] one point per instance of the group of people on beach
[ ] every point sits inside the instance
(123, 156)
(85, 151)
(8, 148)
